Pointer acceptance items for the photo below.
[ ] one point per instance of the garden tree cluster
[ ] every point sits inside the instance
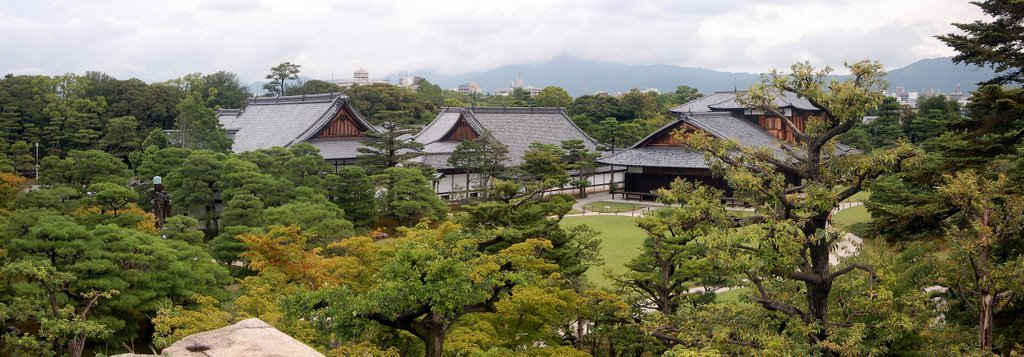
(96, 111)
(83, 269)
(638, 113)
(313, 86)
(786, 247)
(374, 101)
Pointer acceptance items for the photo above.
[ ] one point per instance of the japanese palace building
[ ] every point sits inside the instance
(327, 121)
(516, 128)
(655, 161)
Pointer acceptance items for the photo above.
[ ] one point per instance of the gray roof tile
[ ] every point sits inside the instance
(657, 156)
(282, 121)
(517, 128)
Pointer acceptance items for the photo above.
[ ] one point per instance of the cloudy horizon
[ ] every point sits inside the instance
(159, 41)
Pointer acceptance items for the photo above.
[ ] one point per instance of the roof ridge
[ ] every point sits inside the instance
(292, 99)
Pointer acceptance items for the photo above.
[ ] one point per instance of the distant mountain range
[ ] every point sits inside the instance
(580, 77)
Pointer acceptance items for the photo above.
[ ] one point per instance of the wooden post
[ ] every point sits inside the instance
(161, 202)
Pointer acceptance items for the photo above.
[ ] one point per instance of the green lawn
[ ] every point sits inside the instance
(861, 196)
(612, 207)
(733, 295)
(621, 240)
(846, 217)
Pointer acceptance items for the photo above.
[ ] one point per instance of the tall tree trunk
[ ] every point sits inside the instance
(988, 303)
(435, 340)
(818, 292)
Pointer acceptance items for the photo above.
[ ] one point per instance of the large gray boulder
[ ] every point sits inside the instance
(252, 337)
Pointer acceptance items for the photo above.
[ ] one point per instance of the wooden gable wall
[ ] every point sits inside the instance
(667, 137)
(461, 131)
(341, 126)
(775, 127)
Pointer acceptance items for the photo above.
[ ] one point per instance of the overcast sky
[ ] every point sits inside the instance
(159, 40)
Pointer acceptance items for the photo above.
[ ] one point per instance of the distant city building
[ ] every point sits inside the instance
(470, 88)
(958, 93)
(651, 90)
(517, 84)
(409, 81)
(360, 77)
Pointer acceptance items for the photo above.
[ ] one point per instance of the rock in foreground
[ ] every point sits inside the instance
(251, 337)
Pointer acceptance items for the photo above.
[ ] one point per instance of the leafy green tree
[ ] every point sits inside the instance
(597, 107)
(637, 104)
(279, 77)
(183, 228)
(244, 210)
(794, 245)
(83, 168)
(229, 92)
(407, 196)
(991, 218)
(194, 186)
(354, 192)
(316, 215)
(552, 96)
(581, 160)
(121, 137)
(197, 125)
(389, 148)
(543, 166)
(995, 43)
(933, 116)
(435, 277)
(686, 94)
(674, 258)
(112, 197)
(157, 138)
(430, 92)
(612, 134)
(85, 264)
(74, 121)
(22, 156)
(483, 157)
(62, 327)
(375, 99)
(907, 206)
(306, 167)
(885, 131)
(241, 177)
(313, 86)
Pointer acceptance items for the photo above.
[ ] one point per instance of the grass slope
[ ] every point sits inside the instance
(621, 240)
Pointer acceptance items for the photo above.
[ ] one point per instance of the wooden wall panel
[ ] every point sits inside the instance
(341, 126)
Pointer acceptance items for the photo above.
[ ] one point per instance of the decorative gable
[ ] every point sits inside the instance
(461, 131)
(341, 126)
(666, 136)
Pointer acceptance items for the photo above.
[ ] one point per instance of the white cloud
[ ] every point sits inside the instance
(158, 40)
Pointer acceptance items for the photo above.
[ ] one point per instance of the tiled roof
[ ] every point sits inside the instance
(724, 101)
(657, 156)
(517, 128)
(338, 148)
(725, 125)
(228, 119)
(282, 121)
